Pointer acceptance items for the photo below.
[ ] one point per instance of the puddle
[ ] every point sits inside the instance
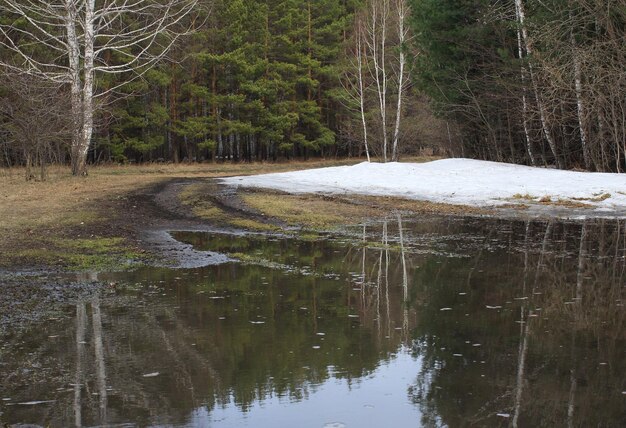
(451, 322)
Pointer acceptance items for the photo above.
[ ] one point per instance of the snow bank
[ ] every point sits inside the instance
(454, 181)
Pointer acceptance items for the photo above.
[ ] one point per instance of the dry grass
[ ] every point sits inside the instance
(36, 217)
(598, 198)
(547, 200)
(195, 197)
(567, 203)
(525, 197)
(65, 200)
(421, 207)
(309, 211)
(324, 212)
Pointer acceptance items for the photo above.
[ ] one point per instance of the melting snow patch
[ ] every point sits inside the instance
(456, 181)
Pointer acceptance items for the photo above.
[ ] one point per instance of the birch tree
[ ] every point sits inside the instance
(402, 11)
(84, 39)
(377, 72)
(361, 86)
(520, 52)
(521, 18)
(579, 98)
(354, 83)
(377, 16)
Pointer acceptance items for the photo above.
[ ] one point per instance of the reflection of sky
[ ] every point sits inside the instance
(378, 400)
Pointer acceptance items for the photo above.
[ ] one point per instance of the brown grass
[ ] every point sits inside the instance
(38, 218)
(35, 215)
(310, 211)
(567, 203)
(317, 211)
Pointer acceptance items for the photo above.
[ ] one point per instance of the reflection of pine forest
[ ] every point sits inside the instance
(522, 319)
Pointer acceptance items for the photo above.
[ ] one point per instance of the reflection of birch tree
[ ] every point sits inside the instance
(81, 320)
(524, 336)
(578, 303)
(99, 355)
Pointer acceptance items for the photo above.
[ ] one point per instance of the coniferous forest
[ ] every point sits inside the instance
(523, 81)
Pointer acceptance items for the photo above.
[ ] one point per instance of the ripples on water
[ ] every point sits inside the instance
(454, 322)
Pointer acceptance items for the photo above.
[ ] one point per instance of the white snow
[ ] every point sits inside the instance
(454, 181)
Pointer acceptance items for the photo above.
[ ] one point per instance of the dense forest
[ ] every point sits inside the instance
(531, 82)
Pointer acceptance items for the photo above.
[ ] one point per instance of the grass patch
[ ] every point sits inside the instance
(316, 212)
(597, 198)
(566, 203)
(250, 224)
(97, 254)
(391, 204)
(525, 197)
(312, 212)
(198, 198)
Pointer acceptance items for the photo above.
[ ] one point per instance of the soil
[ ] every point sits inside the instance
(31, 293)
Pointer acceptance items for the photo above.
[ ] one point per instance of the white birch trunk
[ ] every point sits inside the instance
(402, 10)
(521, 16)
(79, 164)
(379, 11)
(520, 51)
(359, 58)
(383, 104)
(73, 52)
(579, 101)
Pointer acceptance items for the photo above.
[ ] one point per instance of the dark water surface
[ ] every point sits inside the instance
(443, 322)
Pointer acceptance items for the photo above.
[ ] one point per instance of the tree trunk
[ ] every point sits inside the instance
(579, 100)
(359, 58)
(521, 15)
(377, 44)
(402, 11)
(75, 87)
(520, 51)
(79, 165)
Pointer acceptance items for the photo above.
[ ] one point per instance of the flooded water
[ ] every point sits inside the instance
(404, 323)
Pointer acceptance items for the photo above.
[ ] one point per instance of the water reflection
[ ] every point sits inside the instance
(431, 322)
